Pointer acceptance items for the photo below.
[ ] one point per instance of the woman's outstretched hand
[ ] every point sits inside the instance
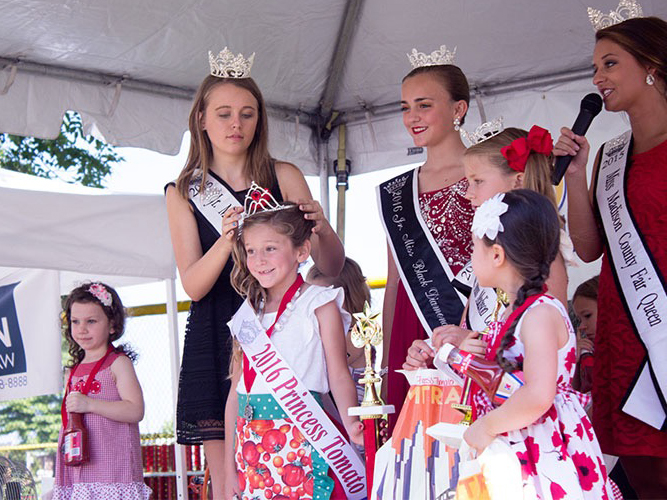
(313, 211)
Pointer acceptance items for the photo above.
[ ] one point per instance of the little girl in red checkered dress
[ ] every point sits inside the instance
(111, 403)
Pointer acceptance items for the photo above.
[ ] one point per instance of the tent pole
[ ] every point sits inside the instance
(175, 356)
(480, 106)
(324, 177)
(342, 173)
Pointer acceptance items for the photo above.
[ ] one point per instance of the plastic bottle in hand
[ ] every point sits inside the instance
(494, 381)
(75, 440)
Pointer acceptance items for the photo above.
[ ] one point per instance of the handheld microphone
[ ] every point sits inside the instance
(591, 105)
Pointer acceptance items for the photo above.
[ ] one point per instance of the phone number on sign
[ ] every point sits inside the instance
(12, 382)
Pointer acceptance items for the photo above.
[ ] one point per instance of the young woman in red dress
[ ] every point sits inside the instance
(434, 101)
(630, 62)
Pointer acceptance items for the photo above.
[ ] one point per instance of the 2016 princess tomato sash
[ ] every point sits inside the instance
(297, 402)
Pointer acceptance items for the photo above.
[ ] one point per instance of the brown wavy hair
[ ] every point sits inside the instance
(289, 222)
(645, 39)
(353, 282)
(450, 77)
(537, 175)
(115, 313)
(588, 289)
(200, 155)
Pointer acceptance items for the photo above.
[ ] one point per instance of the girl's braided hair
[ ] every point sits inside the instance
(530, 239)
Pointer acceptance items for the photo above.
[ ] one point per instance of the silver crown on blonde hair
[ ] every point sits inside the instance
(627, 9)
(485, 131)
(435, 58)
(227, 65)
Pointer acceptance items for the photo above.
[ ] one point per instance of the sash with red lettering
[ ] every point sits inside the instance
(297, 402)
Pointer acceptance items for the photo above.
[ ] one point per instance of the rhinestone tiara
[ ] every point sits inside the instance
(485, 131)
(435, 58)
(627, 9)
(227, 65)
(259, 199)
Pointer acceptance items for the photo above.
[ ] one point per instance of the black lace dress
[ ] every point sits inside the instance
(204, 380)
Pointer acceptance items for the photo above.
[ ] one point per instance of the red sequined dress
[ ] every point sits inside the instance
(618, 352)
(448, 215)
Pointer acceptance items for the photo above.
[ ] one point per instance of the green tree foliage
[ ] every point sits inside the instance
(37, 420)
(72, 156)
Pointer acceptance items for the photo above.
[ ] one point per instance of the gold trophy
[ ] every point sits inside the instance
(367, 333)
(464, 405)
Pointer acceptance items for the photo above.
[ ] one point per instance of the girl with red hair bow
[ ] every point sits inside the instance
(512, 159)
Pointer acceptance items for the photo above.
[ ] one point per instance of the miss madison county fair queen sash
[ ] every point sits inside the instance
(297, 402)
(214, 201)
(423, 269)
(641, 286)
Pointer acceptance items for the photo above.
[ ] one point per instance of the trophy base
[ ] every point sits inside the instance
(368, 412)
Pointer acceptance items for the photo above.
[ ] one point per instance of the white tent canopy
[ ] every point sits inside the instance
(82, 233)
(130, 68)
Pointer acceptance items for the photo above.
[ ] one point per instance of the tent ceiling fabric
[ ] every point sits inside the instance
(72, 54)
(83, 230)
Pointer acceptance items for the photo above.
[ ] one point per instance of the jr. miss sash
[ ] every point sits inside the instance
(216, 198)
(641, 285)
(421, 265)
(296, 401)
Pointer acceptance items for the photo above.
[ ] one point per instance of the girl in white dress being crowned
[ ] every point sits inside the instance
(292, 334)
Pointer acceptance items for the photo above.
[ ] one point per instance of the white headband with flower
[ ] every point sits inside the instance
(99, 291)
(486, 221)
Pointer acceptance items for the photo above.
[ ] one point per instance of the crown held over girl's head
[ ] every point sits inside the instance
(259, 199)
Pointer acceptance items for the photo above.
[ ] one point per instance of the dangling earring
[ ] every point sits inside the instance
(650, 80)
(457, 123)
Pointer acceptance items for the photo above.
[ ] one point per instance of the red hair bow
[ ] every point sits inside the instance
(517, 153)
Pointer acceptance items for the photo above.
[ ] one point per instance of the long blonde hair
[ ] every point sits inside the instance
(537, 175)
(200, 156)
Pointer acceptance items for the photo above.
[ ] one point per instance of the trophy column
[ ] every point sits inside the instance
(367, 333)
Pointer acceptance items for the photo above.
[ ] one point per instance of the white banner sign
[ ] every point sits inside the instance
(30, 361)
